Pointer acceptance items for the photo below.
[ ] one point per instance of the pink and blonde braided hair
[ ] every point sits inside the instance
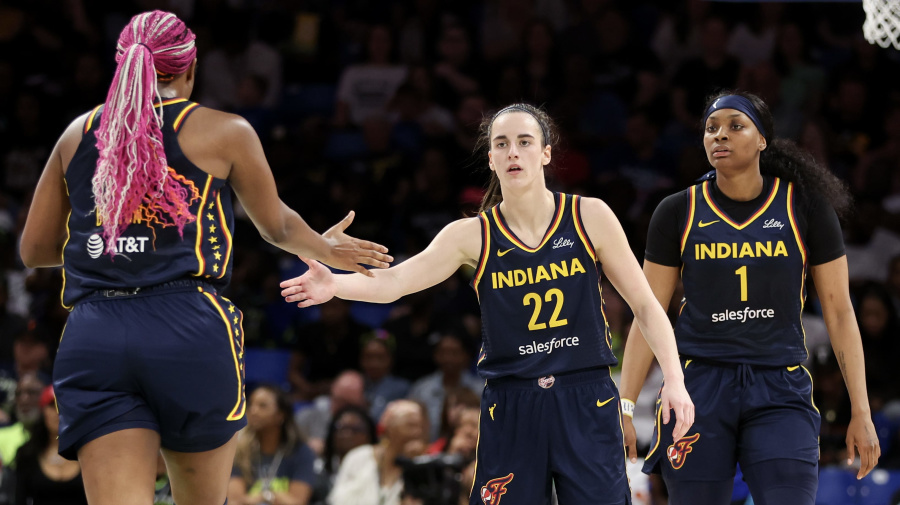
(132, 171)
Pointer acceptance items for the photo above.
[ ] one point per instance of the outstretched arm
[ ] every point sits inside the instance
(831, 283)
(457, 244)
(624, 272)
(254, 185)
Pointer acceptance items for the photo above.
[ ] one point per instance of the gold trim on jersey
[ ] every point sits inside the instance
(201, 261)
(90, 119)
(560, 210)
(690, 221)
(485, 249)
(170, 102)
(659, 426)
(582, 233)
(223, 223)
(752, 218)
(62, 292)
(237, 412)
(802, 247)
(812, 387)
(177, 124)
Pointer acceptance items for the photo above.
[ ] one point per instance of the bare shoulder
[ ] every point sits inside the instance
(218, 124)
(70, 139)
(464, 234)
(595, 211)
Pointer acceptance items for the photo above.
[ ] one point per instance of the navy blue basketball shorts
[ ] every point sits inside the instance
(743, 414)
(168, 359)
(565, 428)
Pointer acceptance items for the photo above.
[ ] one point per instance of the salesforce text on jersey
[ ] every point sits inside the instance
(743, 315)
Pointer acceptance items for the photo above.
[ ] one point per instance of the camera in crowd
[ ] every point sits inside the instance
(432, 479)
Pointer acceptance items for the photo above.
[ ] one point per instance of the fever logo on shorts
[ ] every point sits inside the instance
(495, 489)
(678, 451)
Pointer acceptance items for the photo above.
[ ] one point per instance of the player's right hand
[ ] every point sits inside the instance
(316, 286)
(630, 438)
(350, 254)
(675, 397)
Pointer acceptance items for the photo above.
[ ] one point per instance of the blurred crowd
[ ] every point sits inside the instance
(375, 107)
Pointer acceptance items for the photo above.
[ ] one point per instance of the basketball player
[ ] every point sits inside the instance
(549, 409)
(742, 241)
(135, 204)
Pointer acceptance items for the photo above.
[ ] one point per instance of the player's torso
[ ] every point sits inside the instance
(744, 282)
(541, 308)
(148, 252)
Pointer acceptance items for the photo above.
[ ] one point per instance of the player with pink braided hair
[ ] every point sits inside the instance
(135, 203)
(132, 166)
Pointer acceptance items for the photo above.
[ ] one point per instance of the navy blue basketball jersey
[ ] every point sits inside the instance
(148, 252)
(744, 283)
(541, 308)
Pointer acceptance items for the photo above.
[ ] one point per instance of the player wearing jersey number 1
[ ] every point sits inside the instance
(742, 241)
(550, 411)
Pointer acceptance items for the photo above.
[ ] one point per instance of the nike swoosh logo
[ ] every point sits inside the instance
(600, 404)
(501, 253)
(701, 224)
(792, 368)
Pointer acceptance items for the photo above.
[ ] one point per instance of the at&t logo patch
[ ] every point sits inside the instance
(678, 451)
(495, 489)
(96, 246)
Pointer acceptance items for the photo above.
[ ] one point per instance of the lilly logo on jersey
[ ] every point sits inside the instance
(563, 242)
(96, 246)
(773, 223)
(495, 489)
(678, 451)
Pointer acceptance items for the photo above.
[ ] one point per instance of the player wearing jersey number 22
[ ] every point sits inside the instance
(546, 408)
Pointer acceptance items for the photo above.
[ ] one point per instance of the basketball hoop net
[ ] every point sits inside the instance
(882, 24)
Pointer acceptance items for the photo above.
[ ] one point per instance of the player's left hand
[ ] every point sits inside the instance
(861, 436)
(350, 253)
(675, 397)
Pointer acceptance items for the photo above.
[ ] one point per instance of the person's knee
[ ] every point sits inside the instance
(781, 481)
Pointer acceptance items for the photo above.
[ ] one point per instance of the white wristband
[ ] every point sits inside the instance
(627, 407)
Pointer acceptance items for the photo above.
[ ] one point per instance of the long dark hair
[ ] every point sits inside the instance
(328, 452)
(493, 196)
(290, 436)
(784, 159)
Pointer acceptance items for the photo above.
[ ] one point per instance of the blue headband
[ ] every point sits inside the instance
(740, 103)
(517, 107)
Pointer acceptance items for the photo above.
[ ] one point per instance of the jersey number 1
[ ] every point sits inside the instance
(742, 273)
(554, 321)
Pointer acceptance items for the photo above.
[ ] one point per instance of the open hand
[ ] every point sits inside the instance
(861, 436)
(348, 253)
(675, 397)
(312, 288)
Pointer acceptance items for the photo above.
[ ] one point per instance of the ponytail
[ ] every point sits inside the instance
(132, 177)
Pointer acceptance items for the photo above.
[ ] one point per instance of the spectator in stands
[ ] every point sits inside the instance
(27, 412)
(272, 464)
(43, 477)
(456, 401)
(366, 89)
(369, 474)
(350, 428)
(453, 356)
(347, 389)
(377, 361)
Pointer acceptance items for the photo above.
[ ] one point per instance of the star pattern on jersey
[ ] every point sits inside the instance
(214, 235)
